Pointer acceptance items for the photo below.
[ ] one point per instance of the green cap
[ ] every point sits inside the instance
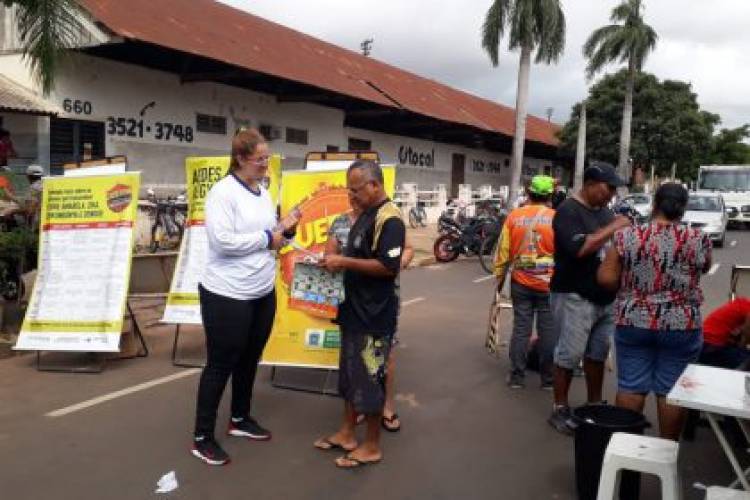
(542, 185)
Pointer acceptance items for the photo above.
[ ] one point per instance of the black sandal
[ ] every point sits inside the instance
(326, 444)
(387, 423)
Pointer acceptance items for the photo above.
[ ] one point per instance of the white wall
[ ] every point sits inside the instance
(481, 167)
(118, 90)
(124, 91)
(26, 139)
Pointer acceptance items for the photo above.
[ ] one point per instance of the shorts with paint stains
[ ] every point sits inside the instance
(362, 366)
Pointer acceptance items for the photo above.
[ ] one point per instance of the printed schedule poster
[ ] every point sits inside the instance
(183, 304)
(85, 249)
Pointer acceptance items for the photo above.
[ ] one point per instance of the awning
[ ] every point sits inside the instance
(16, 98)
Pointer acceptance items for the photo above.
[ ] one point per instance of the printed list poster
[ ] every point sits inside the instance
(85, 250)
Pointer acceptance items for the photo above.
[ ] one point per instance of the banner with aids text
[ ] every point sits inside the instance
(183, 305)
(307, 297)
(85, 248)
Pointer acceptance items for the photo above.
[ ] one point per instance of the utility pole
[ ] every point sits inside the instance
(653, 179)
(580, 150)
(366, 46)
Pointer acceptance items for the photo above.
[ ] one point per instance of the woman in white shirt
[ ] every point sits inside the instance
(238, 300)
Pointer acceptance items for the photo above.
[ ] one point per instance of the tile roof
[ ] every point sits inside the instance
(222, 33)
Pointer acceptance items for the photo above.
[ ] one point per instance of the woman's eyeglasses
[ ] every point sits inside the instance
(262, 160)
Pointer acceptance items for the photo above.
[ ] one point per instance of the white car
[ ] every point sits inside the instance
(707, 212)
(641, 202)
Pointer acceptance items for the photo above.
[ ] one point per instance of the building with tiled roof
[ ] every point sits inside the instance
(159, 81)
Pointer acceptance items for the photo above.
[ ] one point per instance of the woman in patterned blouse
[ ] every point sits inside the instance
(656, 267)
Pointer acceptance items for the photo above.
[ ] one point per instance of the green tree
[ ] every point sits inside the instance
(47, 28)
(729, 147)
(668, 124)
(531, 25)
(628, 40)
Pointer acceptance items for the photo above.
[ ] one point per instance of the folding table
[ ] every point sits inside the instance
(716, 391)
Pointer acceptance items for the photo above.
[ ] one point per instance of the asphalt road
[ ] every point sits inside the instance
(465, 435)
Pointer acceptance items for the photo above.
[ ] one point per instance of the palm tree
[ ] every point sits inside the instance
(46, 28)
(629, 39)
(531, 25)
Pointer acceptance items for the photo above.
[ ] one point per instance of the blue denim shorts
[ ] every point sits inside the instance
(653, 360)
(583, 329)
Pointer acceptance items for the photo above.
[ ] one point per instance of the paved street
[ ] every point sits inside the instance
(465, 435)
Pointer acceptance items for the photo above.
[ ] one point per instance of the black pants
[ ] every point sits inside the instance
(236, 333)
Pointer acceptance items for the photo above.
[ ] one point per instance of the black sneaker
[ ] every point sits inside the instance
(562, 421)
(247, 427)
(208, 450)
(516, 381)
(547, 386)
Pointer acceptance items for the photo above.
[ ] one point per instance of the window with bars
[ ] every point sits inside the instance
(211, 124)
(359, 144)
(74, 141)
(296, 136)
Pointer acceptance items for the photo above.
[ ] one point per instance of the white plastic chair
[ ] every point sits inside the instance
(642, 454)
(721, 493)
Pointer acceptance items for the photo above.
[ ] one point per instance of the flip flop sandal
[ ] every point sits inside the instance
(388, 423)
(326, 444)
(354, 463)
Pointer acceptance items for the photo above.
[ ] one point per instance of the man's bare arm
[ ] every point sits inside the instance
(598, 239)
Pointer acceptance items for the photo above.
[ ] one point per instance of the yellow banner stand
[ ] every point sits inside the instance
(85, 249)
(306, 337)
(183, 304)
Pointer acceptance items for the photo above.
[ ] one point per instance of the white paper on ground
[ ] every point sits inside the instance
(167, 483)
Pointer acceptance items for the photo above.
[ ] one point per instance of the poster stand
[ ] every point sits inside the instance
(304, 379)
(739, 282)
(183, 362)
(98, 360)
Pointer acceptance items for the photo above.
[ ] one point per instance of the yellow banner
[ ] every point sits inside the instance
(183, 304)
(96, 201)
(203, 173)
(304, 335)
(85, 247)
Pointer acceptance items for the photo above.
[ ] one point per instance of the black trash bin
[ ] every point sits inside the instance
(595, 425)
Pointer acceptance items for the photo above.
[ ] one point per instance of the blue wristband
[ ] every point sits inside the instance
(269, 234)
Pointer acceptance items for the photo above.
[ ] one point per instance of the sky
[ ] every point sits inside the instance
(704, 42)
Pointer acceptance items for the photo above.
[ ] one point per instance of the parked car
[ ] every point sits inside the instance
(707, 212)
(641, 202)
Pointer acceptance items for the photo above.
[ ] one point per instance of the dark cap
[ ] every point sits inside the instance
(603, 173)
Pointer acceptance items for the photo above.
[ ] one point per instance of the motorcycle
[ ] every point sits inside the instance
(463, 239)
(455, 213)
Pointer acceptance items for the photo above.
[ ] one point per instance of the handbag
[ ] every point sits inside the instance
(500, 302)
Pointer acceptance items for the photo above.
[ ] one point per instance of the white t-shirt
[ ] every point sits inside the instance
(239, 222)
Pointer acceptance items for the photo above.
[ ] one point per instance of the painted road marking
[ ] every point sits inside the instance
(412, 301)
(714, 268)
(124, 392)
(410, 399)
(437, 267)
(484, 278)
